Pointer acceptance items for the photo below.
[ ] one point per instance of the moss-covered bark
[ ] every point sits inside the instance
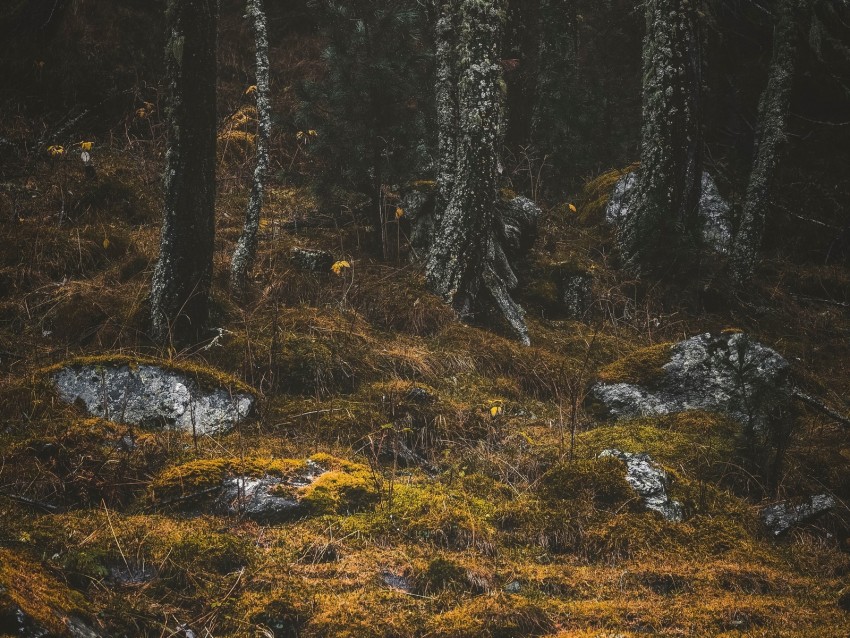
(467, 263)
(246, 248)
(446, 100)
(183, 274)
(774, 110)
(662, 235)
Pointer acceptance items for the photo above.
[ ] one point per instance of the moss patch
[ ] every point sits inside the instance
(643, 367)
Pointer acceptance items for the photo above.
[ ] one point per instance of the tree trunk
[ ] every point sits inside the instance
(774, 111)
(183, 273)
(662, 234)
(246, 247)
(467, 263)
(446, 100)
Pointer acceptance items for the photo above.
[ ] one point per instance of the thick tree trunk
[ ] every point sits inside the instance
(446, 100)
(246, 247)
(183, 274)
(662, 235)
(467, 262)
(774, 111)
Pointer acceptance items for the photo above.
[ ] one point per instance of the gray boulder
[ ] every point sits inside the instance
(729, 374)
(714, 210)
(269, 499)
(781, 517)
(151, 396)
(650, 482)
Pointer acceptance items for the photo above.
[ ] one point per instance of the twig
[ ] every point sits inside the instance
(31, 502)
(820, 405)
(831, 302)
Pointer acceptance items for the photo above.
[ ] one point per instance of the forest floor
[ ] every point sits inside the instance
(506, 525)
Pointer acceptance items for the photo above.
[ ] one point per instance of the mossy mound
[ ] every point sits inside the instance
(596, 192)
(494, 616)
(642, 367)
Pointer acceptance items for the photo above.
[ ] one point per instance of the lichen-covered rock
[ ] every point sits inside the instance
(729, 374)
(519, 217)
(268, 499)
(715, 211)
(576, 292)
(311, 259)
(781, 517)
(152, 396)
(650, 481)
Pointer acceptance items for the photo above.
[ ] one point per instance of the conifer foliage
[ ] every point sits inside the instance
(368, 106)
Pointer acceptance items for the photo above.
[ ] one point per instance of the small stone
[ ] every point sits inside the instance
(781, 517)
(311, 259)
(650, 482)
(513, 587)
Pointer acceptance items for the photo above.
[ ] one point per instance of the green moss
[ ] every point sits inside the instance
(600, 480)
(643, 367)
(441, 574)
(195, 476)
(350, 488)
(28, 585)
(701, 444)
(596, 192)
(207, 377)
(206, 551)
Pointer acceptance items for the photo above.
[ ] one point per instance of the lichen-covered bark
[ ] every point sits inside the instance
(446, 99)
(662, 236)
(183, 273)
(246, 247)
(774, 110)
(467, 263)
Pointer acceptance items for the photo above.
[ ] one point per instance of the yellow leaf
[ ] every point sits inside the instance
(399, 212)
(573, 208)
(56, 151)
(299, 135)
(86, 146)
(251, 90)
(495, 411)
(312, 133)
(105, 243)
(141, 114)
(339, 266)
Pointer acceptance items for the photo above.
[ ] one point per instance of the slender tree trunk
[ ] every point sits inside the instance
(467, 262)
(774, 111)
(246, 248)
(183, 274)
(662, 234)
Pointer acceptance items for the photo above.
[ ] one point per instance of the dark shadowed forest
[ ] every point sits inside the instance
(424, 318)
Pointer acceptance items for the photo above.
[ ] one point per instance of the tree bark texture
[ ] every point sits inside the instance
(246, 247)
(467, 262)
(183, 273)
(662, 235)
(771, 135)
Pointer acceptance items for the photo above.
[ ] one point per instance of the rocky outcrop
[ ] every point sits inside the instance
(779, 518)
(715, 211)
(151, 395)
(729, 374)
(650, 481)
